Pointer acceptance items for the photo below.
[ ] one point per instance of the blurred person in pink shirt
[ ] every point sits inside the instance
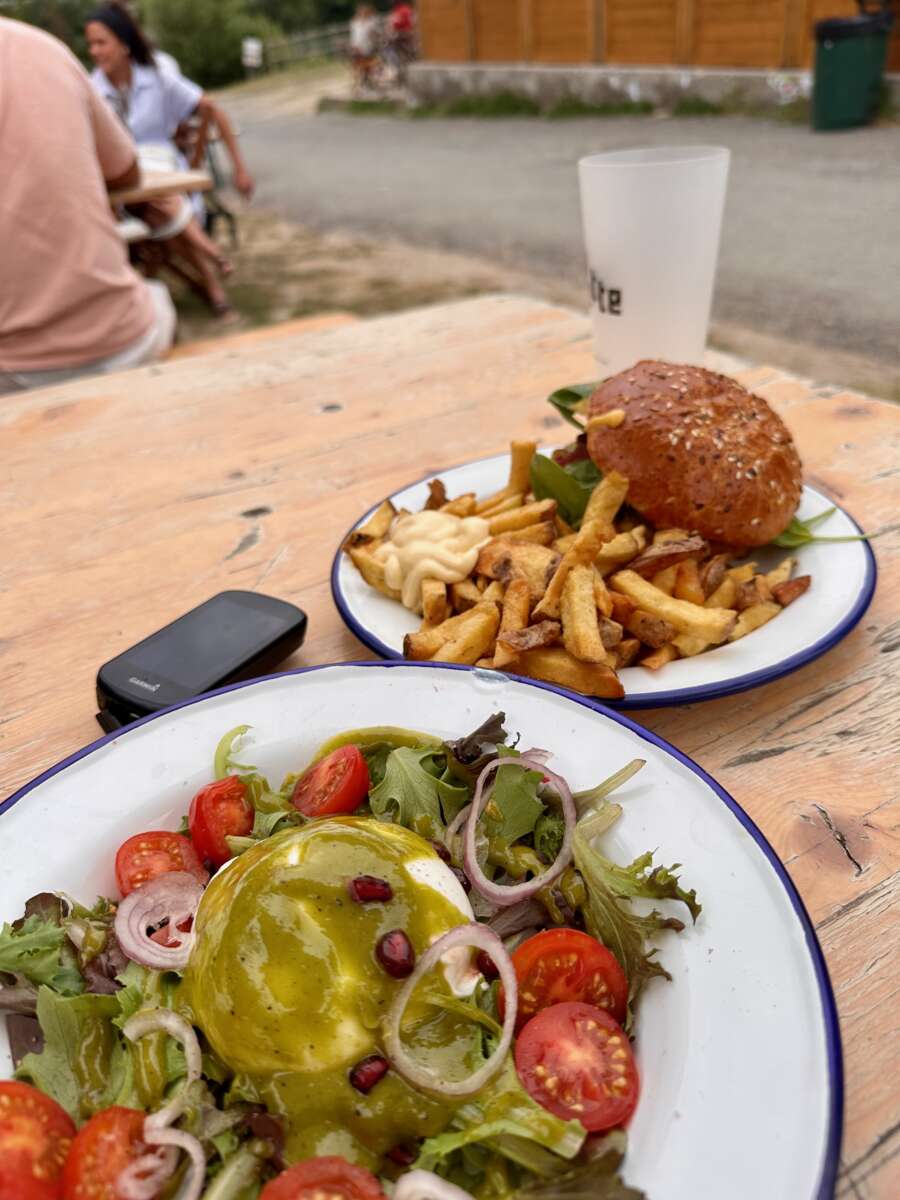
(70, 303)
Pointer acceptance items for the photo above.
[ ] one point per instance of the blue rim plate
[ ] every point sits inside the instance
(843, 575)
(740, 1056)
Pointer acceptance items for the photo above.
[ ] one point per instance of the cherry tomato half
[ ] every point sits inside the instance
(102, 1148)
(576, 1062)
(561, 965)
(219, 810)
(35, 1135)
(317, 1177)
(157, 852)
(337, 784)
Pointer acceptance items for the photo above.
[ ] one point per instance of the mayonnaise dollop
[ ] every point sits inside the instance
(430, 545)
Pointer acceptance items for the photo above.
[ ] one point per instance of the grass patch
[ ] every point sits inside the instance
(498, 104)
(571, 106)
(697, 106)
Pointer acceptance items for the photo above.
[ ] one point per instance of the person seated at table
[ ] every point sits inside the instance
(154, 103)
(70, 303)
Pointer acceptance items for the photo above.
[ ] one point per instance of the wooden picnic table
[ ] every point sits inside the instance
(129, 498)
(162, 183)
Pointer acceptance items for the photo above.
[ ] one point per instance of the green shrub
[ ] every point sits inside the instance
(205, 35)
(498, 104)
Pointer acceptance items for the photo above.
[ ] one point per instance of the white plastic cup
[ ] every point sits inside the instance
(652, 219)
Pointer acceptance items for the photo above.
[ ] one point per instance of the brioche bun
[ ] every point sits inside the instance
(700, 451)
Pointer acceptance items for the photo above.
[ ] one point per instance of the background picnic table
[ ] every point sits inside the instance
(128, 499)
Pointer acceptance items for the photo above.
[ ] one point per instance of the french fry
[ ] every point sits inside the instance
(665, 580)
(435, 605)
(688, 646)
(562, 544)
(427, 641)
(506, 504)
(602, 598)
(661, 536)
(553, 664)
(584, 550)
(714, 624)
(659, 658)
(437, 494)
(464, 595)
(544, 534)
(532, 637)
(751, 618)
(474, 638)
(563, 528)
(486, 664)
(516, 609)
(712, 573)
(687, 582)
(520, 456)
(755, 591)
(493, 591)
(781, 573)
(724, 595)
(622, 607)
(581, 632)
(606, 498)
(462, 506)
(662, 555)
(507, 559)
(787, 592)
(610, 632)
(379, 522)
(622, 549)
(371, 570)
(626, 652)
(651, 630)
(527, 514)
(742, 574)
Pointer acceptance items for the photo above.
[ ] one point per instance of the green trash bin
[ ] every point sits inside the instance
(850, 55)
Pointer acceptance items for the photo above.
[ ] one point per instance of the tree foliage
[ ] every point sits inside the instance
(205, 36)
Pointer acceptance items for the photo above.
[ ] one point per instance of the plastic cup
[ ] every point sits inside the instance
(652, 219)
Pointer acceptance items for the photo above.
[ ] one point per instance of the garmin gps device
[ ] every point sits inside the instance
(232, 636)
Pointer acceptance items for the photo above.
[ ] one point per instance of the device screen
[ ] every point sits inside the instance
(203, 643)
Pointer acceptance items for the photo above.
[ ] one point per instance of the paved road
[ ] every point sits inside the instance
(811, 241)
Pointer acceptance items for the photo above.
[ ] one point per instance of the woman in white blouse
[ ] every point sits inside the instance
(153, 102)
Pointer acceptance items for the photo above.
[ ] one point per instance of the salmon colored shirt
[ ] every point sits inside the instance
(67, 292)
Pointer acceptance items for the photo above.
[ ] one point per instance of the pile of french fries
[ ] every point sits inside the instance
(574, 607)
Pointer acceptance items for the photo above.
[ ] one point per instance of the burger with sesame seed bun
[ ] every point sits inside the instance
(700, 451)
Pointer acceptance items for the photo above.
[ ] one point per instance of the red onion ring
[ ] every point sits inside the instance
(425, 1185)
(144, 1177)
(172, 897)
(403, 1063)
(504, 894)
(163, 1020)
(192, 1184)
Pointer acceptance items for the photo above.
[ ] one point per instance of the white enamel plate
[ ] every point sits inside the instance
(843, 580)
(739, 1056)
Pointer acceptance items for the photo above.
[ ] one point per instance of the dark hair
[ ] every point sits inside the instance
(118, 20)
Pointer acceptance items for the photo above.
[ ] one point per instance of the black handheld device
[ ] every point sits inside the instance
(234, 635)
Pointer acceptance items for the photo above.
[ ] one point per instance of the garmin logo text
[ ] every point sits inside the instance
(148, 687)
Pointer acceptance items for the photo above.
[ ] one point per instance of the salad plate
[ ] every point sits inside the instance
(843, 582)
(739, 1054)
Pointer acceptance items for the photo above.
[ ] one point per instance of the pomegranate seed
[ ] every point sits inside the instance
(367, 1073)
(441, 851)
(366, 888)
(463, 878)
(395, 953)
(486, 965)
(402, 1156)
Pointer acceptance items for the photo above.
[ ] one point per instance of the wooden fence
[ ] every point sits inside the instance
(701, 33)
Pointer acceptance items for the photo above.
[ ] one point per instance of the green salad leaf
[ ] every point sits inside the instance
(569, 486)
(800, 533)
(417, 791)
(570, 402)
(514, 806)
(39, 950)
(610, 921)
(223, 761)
(549, 831)
(597, 1178)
